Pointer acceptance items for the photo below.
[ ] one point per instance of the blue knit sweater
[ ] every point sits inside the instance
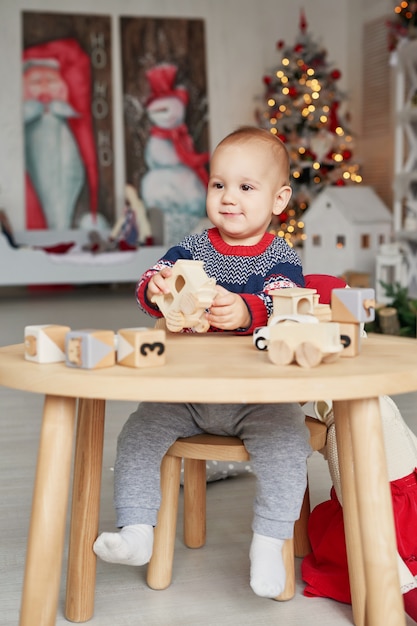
(250, 271)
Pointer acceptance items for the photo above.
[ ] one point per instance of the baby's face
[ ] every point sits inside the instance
(242, 191)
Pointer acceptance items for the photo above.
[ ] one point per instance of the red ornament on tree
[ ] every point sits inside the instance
(280, 44)
(335, 74)
(333, 116)
(267, 80)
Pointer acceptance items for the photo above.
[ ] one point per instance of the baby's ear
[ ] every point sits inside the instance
(281, 200)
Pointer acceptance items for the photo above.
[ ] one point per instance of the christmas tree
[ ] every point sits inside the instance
(302, 106)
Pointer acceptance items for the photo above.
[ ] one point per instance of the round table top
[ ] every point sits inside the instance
(224, 368)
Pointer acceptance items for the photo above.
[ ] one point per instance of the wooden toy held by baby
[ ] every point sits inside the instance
(191, 293)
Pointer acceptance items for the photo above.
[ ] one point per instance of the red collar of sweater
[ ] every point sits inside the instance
(228, 250)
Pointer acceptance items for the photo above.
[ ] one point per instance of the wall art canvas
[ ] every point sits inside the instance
(67, 117)
(166, 120)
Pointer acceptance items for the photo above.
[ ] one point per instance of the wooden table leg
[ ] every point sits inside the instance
(350, 512)
(49, 507)
(384, 603)
(81, 572)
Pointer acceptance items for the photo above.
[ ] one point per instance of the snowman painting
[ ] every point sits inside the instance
(176, 179)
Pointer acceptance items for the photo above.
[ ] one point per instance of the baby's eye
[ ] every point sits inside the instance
(246, 187)
(217, 185)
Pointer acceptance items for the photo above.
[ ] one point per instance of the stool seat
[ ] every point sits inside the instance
(216, 448)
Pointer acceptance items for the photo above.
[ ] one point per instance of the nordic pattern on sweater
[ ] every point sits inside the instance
(250, 271)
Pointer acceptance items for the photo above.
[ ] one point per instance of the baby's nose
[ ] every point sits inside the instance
(228, 196)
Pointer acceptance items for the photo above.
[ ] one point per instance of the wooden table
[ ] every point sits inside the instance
(207, 368)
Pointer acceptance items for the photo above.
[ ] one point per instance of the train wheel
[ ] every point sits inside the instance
(280, 352)
(308, 355)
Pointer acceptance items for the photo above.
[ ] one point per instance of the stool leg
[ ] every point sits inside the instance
(288, 557)
(81, 571)
(301, 541)
(159, 573)
(194, 503)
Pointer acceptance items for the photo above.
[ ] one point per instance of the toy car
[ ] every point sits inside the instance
(261, 335)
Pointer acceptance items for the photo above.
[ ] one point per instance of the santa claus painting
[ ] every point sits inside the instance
(60, 151)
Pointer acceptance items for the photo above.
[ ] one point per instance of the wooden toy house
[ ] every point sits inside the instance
(344, 228)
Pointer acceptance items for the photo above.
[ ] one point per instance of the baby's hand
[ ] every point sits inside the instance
(158, 283)
(228, 311)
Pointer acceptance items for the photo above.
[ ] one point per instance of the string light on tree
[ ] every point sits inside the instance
(301, 104)
(404, 24)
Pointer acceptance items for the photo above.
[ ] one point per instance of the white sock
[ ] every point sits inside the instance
(131, 546)
(267, 572)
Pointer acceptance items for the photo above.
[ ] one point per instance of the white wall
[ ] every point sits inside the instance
(240, 41)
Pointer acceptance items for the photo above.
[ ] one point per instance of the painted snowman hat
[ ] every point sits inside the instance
(162, 79)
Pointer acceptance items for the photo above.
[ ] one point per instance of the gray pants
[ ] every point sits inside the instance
(275, 436)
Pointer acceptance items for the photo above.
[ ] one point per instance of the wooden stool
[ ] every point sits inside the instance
(196, 451)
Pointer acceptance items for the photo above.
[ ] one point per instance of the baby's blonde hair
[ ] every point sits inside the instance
(247, 134)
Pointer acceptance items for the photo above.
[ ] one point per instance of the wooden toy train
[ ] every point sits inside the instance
(303, 331)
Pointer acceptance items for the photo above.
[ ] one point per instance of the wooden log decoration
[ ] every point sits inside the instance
(388, 320)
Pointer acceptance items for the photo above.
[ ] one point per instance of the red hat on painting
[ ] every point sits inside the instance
(74, 66)
(162, 80)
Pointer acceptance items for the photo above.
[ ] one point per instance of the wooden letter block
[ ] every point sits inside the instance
(353, 305)
(90, 349)
(141, 347)
(45, 343)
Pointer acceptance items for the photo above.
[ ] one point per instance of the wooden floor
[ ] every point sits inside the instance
(210, 585)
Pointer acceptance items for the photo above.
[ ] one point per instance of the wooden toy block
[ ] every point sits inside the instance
(45, 343)
(350, 335)
(353, 305)
(294, 300)
(323, 312)
(141, 347)
(90, 349)
(306, 344)
(191, 294)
